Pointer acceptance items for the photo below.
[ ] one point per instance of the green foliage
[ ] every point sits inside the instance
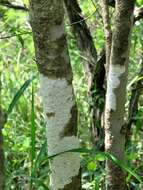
(18, 95)
(27, 162)
(139, 2)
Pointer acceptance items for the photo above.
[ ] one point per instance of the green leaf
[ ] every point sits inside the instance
(92, 166)
(140, 2)
(39, 182)
(33, 134)
(18, 95)
(33, 128)
(132, 82)
(124, 167)
(20, 40)
(40, 157)
(100, 157)
(97, 182)
(107, 155)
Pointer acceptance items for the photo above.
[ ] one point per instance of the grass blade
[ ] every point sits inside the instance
(33, 135)
(124, 167)
(40, 157)
(19, 94)
(108, 156)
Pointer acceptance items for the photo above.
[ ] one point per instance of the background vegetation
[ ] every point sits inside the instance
(25, 131)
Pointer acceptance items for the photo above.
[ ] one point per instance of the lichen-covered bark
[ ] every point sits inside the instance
(116, 92)
(47, 21)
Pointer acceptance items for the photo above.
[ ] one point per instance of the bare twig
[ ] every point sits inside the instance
(13, 6)
(14, 35)
(82, 20)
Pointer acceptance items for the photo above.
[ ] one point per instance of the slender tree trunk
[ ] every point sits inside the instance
(47, 21)
(116, 92)
(94, 69)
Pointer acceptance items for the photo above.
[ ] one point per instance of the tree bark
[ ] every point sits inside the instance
(94, 69)
(107, 31)
(47, 21)
(116, 92)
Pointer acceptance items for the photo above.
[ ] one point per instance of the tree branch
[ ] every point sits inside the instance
(14, 35)
(94, 69)
(12, 6)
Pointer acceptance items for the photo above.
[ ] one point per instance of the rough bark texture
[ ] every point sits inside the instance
(49, 39)
(94, 69)
(47, 21)
(116, 92)
(107, 31)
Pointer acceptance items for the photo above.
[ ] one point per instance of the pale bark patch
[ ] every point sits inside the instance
(113, 82)
(58, 101)
(56, 31)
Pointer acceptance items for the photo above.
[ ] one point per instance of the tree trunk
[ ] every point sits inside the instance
(94, 69)
(107, 31)
(47, 21)
(116, 92)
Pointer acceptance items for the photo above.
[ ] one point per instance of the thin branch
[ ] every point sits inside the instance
(12, 6)
(14, 35)
(82, 20)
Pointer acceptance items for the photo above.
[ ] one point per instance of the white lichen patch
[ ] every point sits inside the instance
(58, 101)
(64, 168)
(113, 81)
(108, 141)
(56, 31)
